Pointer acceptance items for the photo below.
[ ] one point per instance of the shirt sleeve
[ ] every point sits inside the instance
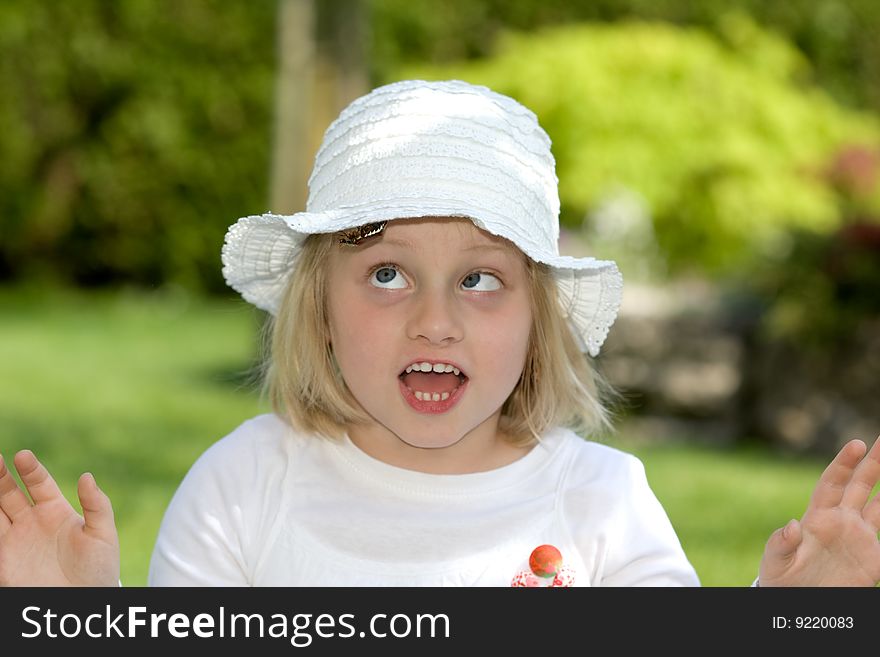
(623, 534)
(643, 548)
(215, 517)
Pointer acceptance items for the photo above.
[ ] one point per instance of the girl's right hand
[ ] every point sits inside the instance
(46, 542)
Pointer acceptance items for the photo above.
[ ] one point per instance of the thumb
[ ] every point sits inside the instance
(784, 542)
(97, 510)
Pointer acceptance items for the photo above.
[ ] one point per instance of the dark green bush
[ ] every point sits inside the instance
(133, 133)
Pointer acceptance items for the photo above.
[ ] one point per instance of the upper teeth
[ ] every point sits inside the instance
(439, 368)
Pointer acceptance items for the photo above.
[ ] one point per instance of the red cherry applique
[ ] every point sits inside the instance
(547, 570)
(545, 561)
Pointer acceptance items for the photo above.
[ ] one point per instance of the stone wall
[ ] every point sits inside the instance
(689, 366)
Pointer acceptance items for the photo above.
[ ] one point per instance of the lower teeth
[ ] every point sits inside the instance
(427, 396)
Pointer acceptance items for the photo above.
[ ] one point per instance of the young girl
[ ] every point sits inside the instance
(427, 372)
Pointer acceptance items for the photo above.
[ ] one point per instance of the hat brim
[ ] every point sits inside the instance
(260, 251)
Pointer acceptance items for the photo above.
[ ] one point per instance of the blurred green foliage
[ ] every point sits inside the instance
(838, 37)
(826, 293)
(718, 135)
(820, 290)
(133, 133)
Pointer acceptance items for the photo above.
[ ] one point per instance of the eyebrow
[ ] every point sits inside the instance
(397, 242)
(488, 247)
(476, 247)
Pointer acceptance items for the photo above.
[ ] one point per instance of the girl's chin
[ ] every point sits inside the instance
(426, 441)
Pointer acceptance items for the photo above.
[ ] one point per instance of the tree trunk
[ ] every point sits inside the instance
(322, 67)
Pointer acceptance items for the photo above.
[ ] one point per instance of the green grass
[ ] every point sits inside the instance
(130, 386)
(133, 386)
(725, 502)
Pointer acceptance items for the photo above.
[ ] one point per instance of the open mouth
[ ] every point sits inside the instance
(432, 381)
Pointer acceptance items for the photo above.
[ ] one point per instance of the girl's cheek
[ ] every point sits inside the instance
(382, 298)
(493, 306)
(487, 300)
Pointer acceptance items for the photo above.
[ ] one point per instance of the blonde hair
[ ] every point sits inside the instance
(558, 385)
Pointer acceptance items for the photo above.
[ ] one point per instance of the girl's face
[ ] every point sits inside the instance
(429, 324)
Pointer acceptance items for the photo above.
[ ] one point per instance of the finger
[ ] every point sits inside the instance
(97, 510)
(832, 484)
(5, 523)
(863, 480)
(871, 513)
(784, 542)
(12, 499)
(36, 478)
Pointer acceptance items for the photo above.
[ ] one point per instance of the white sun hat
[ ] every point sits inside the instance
(431, 149)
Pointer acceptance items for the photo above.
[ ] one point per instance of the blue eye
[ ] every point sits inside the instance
(388, 278)
(481, 278)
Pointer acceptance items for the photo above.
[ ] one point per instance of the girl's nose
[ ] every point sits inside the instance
(435, 318)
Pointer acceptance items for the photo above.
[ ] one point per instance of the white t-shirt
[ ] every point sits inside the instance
(266, 506)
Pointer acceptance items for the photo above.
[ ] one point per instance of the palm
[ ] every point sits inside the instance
(48, 544)
(835, 543)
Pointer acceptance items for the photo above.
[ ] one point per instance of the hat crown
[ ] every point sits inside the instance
(422, 149)
(446, 148)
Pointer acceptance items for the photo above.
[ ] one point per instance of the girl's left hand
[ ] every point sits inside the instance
(835, 543)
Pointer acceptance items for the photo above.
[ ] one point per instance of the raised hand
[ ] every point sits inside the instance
(46, 542)
(835, 543)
